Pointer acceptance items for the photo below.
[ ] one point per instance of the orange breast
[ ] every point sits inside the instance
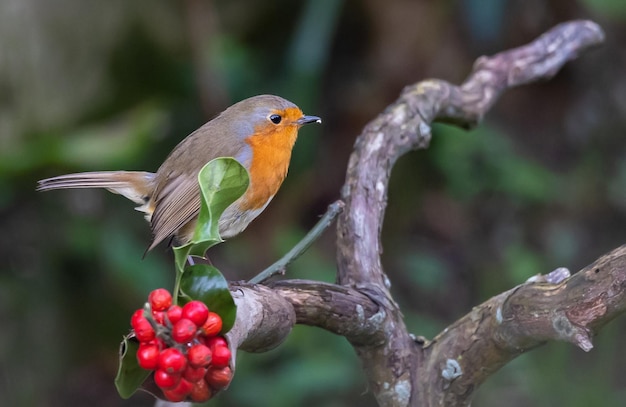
(271, 152)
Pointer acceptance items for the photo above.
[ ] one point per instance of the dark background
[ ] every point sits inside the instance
(93, 85)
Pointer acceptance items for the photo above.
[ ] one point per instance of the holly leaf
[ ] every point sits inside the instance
(130, 375)
(222, 181)
(205, 283)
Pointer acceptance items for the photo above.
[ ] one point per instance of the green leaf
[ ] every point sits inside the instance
(205, 283)
(222, 181)
(129, 374)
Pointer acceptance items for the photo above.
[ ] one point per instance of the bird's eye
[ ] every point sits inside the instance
(275, 118)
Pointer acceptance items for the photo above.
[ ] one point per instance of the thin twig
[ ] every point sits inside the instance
(279, 267)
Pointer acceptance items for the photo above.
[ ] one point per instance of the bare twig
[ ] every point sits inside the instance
(281, 265)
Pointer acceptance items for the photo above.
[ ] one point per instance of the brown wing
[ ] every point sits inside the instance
(175, 205)
(176, 196)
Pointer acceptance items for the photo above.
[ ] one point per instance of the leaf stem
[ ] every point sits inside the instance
(279, 267)
(179, 277)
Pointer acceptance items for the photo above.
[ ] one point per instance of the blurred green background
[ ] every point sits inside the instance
(92, 85)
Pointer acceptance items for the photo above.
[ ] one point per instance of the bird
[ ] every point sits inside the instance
(258, 132)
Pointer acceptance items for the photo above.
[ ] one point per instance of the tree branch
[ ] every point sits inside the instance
(340, 310)
(267, 314)
(458, 360)
(395, 368)
(516, 321)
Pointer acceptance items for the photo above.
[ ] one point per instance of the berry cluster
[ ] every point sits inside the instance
(181, 344)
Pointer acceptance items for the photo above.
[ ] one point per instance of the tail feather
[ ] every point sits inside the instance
(134, 185)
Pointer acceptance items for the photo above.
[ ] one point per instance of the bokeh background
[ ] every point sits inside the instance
(92, 85)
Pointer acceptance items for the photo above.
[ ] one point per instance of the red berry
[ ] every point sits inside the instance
(174, 314)
(158, 342)
(221, 356)
(184, 330)
(219, 377)
(196, 311)
(148, 356)
(159, 317)
(193, 374)
(160, 299)
(216, 341)
(183, 388)
(174, 396)
(200, 391)
(165, 380)
(199, 355)
(137, 315)
(172, 361)
(212, 326)
(143, 330)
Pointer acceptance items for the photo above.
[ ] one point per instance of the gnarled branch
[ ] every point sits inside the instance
(396, 368)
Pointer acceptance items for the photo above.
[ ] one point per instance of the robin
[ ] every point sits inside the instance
(259, 132)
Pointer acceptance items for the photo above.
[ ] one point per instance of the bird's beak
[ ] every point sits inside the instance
(308, 119)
